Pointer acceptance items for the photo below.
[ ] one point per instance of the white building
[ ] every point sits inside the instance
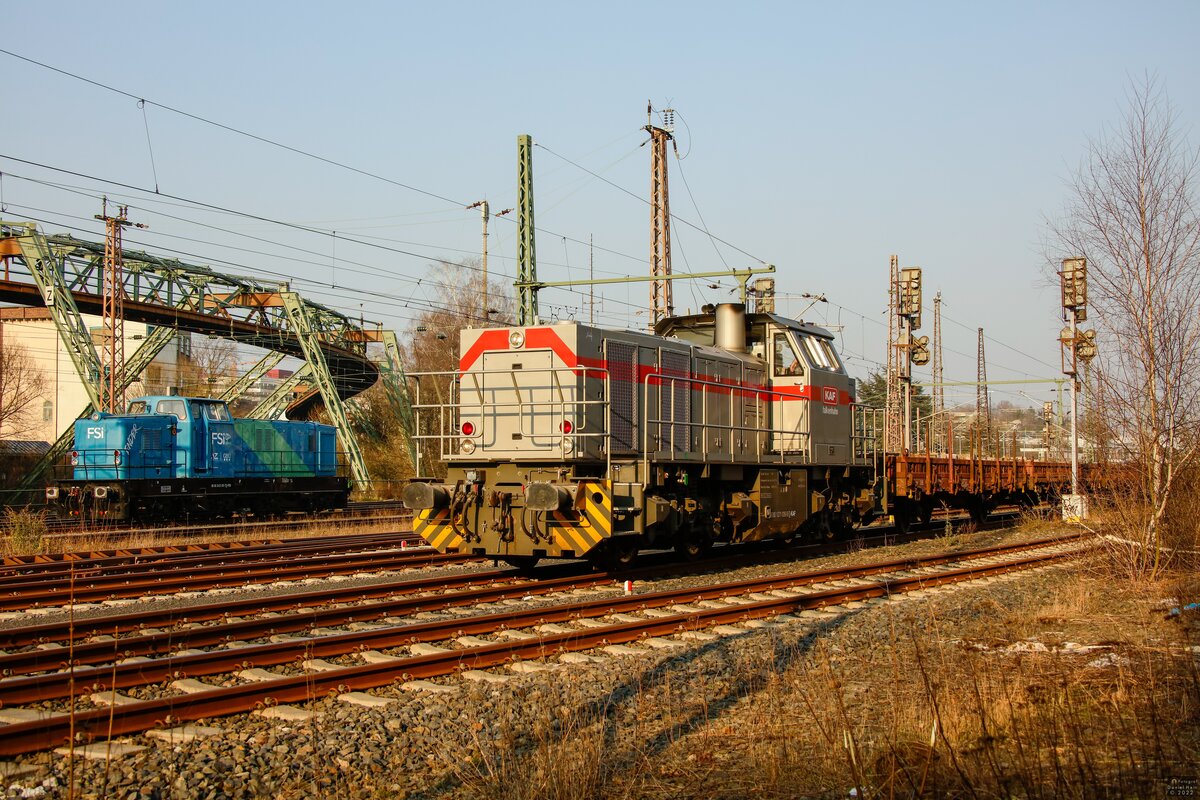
(64, 395)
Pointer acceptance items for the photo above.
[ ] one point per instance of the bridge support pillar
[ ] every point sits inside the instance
(308, 335)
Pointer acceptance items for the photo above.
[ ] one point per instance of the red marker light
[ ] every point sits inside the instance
(468, 428)
(566, 426)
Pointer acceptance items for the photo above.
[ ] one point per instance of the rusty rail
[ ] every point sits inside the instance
(134, 717)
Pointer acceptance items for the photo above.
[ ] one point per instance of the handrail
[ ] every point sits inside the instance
(576, 408)
(760, 432)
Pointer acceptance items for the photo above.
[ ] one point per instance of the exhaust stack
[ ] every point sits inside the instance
(731, 327)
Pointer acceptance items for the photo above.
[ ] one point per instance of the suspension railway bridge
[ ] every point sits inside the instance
(66, 275)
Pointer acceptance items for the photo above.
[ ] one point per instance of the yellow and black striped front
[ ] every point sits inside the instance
(433, 525)
(588, 523)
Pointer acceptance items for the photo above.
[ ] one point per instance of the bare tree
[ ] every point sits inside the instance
(383, 437)
(1133, 215)
(22, 388)
(209, 369)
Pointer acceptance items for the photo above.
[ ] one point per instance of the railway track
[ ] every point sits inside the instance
(66, 531)
(74, 589)
(41, 582)
(652, 566)
(144, 558)
(163, 667)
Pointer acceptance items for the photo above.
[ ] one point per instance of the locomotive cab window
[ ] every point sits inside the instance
(137, 407)
(216, 412)
(818, 355)
(175, 407)
(787, 360)
(835, 364)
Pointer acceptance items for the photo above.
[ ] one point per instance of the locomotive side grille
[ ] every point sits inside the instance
(675, 400)
(623, 395)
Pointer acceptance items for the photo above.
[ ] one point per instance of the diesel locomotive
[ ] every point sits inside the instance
(181, 458)
(570, 440)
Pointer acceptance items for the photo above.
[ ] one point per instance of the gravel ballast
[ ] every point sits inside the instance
(457, 737)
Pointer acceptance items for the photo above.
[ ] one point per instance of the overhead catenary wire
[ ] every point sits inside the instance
(229, 128)
(280, 145)
(142, 102)
(641, 199)
(695, 205)
(397, 301)
(149, 144)
(249, 215)
(146, 205)
(320, 289)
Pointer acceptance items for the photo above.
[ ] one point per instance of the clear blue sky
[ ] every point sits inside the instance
(817, 137)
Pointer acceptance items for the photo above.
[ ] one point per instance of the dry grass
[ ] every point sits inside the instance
(925, 713)
(979, 693)
(26, 532)
(563, 757)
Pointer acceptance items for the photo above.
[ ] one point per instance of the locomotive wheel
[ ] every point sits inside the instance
(693, 544)
(621, 552)
(841, 523)
(787, 539)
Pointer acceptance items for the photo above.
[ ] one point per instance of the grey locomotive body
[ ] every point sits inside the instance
(569, 440)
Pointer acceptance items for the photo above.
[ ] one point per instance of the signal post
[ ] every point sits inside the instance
(1075, 346)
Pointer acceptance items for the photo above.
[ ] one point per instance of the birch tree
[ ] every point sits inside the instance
(1132, 214)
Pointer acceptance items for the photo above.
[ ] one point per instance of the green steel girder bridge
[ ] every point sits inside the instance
(66, 276)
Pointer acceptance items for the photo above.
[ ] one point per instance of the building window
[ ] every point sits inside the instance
(47, 411)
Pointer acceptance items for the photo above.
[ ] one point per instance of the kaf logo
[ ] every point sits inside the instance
(830, 395)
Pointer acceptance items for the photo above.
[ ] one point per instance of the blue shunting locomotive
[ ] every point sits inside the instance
(187, 457)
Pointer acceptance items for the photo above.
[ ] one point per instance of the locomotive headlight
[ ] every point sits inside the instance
(516, 339)
(51, 492)
(567, 445)
(74, 458)
(466, 446)
(117, 457)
